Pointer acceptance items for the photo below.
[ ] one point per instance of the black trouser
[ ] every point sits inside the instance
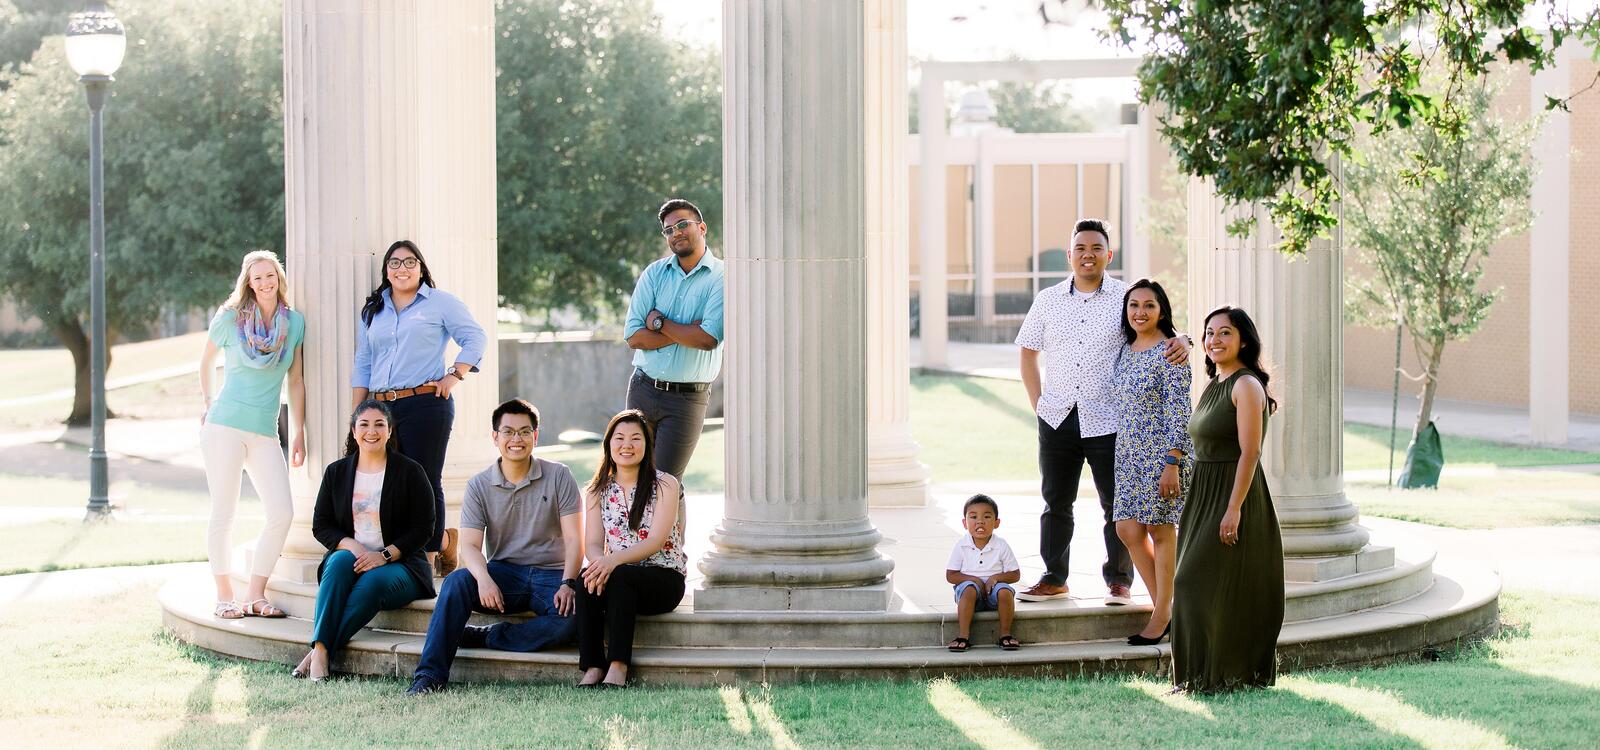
(677, 418)
(422, 425)
(1062, 451)
(607, 620)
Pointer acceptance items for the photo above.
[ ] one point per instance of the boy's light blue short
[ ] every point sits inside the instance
(990, 602)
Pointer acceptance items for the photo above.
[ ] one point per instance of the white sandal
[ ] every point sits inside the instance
(266, 610)
(229, 610)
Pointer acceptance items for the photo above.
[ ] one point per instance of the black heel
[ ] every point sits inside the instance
(1139, 640)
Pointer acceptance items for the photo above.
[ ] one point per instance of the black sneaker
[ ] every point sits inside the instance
(422, 685)
(475, 636)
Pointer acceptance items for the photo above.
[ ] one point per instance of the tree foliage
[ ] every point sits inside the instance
(1260, 95)
(1422, 230)
(193, 165)
(601, 117)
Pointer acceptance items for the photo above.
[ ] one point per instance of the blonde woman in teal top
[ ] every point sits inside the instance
(260, 338)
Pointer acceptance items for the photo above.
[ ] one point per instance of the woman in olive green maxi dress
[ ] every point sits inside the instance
(1228, 591)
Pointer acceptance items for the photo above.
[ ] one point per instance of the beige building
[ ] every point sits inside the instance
(1535, 351)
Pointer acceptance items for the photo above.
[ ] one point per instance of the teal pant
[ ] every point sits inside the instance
(346, 601)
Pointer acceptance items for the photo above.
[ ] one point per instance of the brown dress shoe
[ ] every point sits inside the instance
(445, 563)
(1043, 592)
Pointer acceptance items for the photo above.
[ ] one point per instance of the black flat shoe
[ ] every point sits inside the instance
(1139, 640)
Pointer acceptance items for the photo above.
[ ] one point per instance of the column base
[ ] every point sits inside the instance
(1319, 525)
(895, 478)
(874, 597)
(1315, 569)
(818, 565)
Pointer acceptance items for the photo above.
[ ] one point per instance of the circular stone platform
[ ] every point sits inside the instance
(1418, 603)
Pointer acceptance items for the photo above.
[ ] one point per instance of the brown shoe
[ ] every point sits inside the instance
(1043, 592)
(445, 563)
(1119, 595)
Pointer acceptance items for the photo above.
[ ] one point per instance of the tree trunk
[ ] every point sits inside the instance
(1430, 386)
(72, 336)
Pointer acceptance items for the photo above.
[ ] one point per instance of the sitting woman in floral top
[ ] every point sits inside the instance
(633, 537)
(1154, 455)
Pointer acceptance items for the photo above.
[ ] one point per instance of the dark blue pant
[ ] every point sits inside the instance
(422, 425)
(525, 589)
(1062, 453)
(346, 602)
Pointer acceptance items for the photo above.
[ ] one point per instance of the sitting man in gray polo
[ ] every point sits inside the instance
(521, 548)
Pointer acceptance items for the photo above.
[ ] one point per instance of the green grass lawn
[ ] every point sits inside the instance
(1505, 498)
(103, 672)
(156, 525)
(51, 369)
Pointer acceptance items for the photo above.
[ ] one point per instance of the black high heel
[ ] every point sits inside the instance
(1139, 640)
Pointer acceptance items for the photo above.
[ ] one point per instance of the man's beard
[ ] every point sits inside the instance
(686, 251)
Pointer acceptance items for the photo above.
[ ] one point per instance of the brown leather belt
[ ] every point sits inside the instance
(404, 393)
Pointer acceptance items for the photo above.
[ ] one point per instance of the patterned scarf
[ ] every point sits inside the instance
(262, 341)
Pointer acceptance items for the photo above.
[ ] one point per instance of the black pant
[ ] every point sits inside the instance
(607, 619)
(1062, 451)
(422, 425)
(677, 418)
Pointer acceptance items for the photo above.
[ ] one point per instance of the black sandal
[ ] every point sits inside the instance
(959, 644)
(1009, 643)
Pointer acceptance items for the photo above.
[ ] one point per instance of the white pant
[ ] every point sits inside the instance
(227, 451)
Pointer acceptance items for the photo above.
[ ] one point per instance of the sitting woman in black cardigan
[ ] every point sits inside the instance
(374, 514)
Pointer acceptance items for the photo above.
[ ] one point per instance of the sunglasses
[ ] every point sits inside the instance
(682, 226)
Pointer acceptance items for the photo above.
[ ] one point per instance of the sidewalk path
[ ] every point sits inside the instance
(63, 585)
(1501, 424)
(1550, 559)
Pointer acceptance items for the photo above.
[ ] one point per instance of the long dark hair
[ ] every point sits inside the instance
(1163, 323)
(644, 492)
(392, 445)
(1249, 349)
(374, 304)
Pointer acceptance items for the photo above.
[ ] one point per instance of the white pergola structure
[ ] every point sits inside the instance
(934, 146)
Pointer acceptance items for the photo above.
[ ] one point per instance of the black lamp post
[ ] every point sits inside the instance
(95, 45)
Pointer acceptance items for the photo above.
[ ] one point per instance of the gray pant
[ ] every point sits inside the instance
(677, 418)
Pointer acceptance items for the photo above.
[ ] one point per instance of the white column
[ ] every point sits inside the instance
(1549, 306)
(795, 534)
(933, 291)
(983, 213)
(894, 475)
(1298, 308)
(388, 134)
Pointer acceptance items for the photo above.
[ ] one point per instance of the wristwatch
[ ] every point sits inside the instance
(657, 322)
(1171, 460)
(572, 583)
(386, 556)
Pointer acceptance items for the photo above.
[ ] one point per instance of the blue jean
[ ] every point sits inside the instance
(985, 603)
(422, 431)
(524, 589)
(346, 601)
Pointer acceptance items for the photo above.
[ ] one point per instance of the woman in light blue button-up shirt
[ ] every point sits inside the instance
(400, 345)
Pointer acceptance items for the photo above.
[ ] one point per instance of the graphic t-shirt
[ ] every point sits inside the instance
(364, 503)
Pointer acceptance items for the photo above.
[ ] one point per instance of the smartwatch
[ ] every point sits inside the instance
(386, 556)
(573, 584)
(1171, 460)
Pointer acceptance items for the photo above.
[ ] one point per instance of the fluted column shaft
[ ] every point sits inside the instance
(388, 134)
(894, 475)
(795, 534)
(1298, 307)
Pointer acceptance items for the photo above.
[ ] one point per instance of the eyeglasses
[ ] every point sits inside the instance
(396, 263)
(525, 433)
(682, 226)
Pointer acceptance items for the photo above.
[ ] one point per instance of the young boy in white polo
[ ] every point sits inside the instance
(982, 568)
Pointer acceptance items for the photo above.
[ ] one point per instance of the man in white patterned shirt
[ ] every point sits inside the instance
(1077, 324)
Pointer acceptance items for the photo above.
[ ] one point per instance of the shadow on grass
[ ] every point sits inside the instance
(967, 387)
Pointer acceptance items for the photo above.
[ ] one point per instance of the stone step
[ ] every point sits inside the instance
(1461, 602)
(1068, 621)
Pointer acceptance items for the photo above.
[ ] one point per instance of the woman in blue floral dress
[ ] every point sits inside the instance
(1153, 449)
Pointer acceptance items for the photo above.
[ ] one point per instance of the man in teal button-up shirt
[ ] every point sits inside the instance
(675, 327)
